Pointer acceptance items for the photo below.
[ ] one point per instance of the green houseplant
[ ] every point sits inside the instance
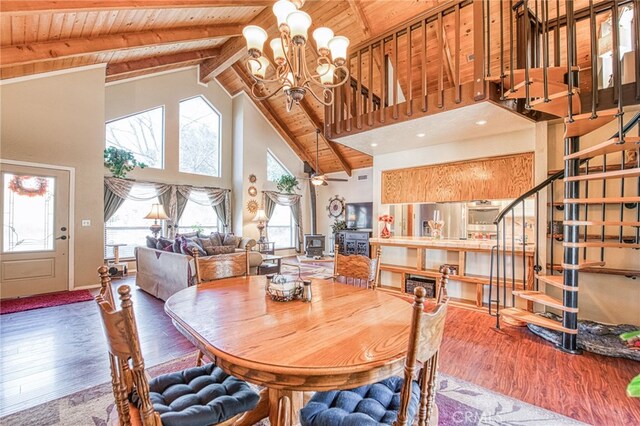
(338, 225)
(287, 183)
(120, 161)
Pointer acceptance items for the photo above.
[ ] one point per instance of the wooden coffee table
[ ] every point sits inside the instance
(346, 337)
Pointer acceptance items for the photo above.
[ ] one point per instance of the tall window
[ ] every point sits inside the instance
(128, 225)
(281, 228)
(199, 137)
(275, 169)
(199, 216)
(141, 133)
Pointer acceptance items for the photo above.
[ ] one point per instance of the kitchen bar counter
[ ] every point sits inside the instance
(444, 244)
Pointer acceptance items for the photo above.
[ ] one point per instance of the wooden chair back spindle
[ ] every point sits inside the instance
(425, 338)
(221, 266)
(357, 270)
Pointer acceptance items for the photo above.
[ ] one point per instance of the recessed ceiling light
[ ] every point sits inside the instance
(374, 144)
(481, 122)
(421, 135)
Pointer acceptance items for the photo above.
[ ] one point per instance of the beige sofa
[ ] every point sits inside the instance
(163, 274)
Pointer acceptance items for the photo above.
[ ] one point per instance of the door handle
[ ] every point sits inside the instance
(64, 237)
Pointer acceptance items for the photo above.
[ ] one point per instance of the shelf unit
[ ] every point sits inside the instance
(480, 281)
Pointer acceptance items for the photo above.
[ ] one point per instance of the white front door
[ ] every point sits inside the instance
(34, 241)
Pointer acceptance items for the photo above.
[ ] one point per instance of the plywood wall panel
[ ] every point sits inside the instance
(491, 178)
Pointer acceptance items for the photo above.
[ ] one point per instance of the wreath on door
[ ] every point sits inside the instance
(29, 186)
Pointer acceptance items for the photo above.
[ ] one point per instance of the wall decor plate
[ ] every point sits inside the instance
(252, 191)
(336, 206)
(252, 206)
(252, 178)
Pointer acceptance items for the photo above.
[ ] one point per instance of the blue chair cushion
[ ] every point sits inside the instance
(367, 405)
(197, 396)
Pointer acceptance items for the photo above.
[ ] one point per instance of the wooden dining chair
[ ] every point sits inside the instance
(416, 397)
(221, 266)
(357, 270)
(214, 398)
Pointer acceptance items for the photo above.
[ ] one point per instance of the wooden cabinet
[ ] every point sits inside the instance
(353, 242)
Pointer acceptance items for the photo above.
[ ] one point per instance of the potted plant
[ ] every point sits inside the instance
(120, 161)
(338, 225)
(287, 183)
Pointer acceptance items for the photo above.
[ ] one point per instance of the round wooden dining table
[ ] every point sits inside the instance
(344, 338)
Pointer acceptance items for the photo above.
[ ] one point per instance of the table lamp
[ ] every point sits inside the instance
(261, 218)
(157, 212)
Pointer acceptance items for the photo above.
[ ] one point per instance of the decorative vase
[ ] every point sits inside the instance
(385, 233)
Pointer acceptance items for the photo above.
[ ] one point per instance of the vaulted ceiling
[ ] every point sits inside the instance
(140, 37)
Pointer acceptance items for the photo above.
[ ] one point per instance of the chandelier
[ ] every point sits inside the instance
(292, 76)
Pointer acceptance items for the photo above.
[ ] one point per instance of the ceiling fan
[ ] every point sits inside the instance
(317, 177)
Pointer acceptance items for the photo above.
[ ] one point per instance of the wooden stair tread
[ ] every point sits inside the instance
(584, 264)
(530, 317)
(607, 147)
(536, 89)
(554, 74)
(605, 244)
(544, 299)
(583, 123)
(629, 273)
(614, 174)
(556, 281)
(558, 104)
(602, 200)
(599, 223)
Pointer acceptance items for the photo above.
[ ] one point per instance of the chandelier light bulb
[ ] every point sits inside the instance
(338, 46)
(288, 82)
(282, 9)
(326, 71)
(322, 36)
(259, 67)
(278, 53)
(299, 23)
(255, 37)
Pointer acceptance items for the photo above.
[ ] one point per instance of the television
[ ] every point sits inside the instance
(359, 216)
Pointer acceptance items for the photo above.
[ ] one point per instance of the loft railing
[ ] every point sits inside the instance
(414, 69)
(511, 239)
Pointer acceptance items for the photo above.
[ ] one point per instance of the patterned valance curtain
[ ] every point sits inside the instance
(112, 202)
(271, 198)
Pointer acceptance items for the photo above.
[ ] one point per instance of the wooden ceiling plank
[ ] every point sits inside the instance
(315, 121)
(271, 115)
(160, 61)
(30, 6)
(35, 52)
(360, 17)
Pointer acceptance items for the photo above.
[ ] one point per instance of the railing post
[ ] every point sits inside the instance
(478, 51)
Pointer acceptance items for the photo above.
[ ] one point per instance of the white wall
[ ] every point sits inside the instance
(251, 143)
(58, 119)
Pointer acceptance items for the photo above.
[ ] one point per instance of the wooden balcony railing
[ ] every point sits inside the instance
(433, 62)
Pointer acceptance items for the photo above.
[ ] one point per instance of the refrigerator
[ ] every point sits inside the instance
(453, 215)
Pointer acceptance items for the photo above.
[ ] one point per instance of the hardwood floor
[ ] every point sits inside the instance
(52, 352)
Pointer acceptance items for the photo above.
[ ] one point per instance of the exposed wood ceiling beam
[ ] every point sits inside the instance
(154, 62)
(11, 6)
(360, 17)
(36, 52)
(307, 109)
(271, 115)
(235, 49)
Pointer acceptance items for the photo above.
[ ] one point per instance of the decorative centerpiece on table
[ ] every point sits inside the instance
(284, 288)
(436, 225)
(386, 220)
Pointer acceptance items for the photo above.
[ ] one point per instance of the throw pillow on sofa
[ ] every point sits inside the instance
(221, 250)
(205, 243)
(231, 240)
(216, 238)
(187, 245)
(189, 235)
(163, 243)
(151, 242)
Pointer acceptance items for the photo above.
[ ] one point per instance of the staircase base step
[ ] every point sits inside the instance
(556, 281)
(531, 318)
(605, 200)
(607, 147)
(544, 299)
(585, 123)
(601, 244)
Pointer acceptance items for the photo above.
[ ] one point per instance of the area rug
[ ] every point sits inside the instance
(44, 301)
(307, 271)
(459, 403)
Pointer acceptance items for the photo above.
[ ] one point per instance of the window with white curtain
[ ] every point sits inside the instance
(281, 228)
(128, 225)
(198, 215)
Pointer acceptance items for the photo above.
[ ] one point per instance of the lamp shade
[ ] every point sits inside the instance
(255, 37)
(282, 9)
(338, 46)
(278, 52)
(259, 66)
(325, 71)
(157, 212)
(260, 216)
(322, 36)
(299, 22)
